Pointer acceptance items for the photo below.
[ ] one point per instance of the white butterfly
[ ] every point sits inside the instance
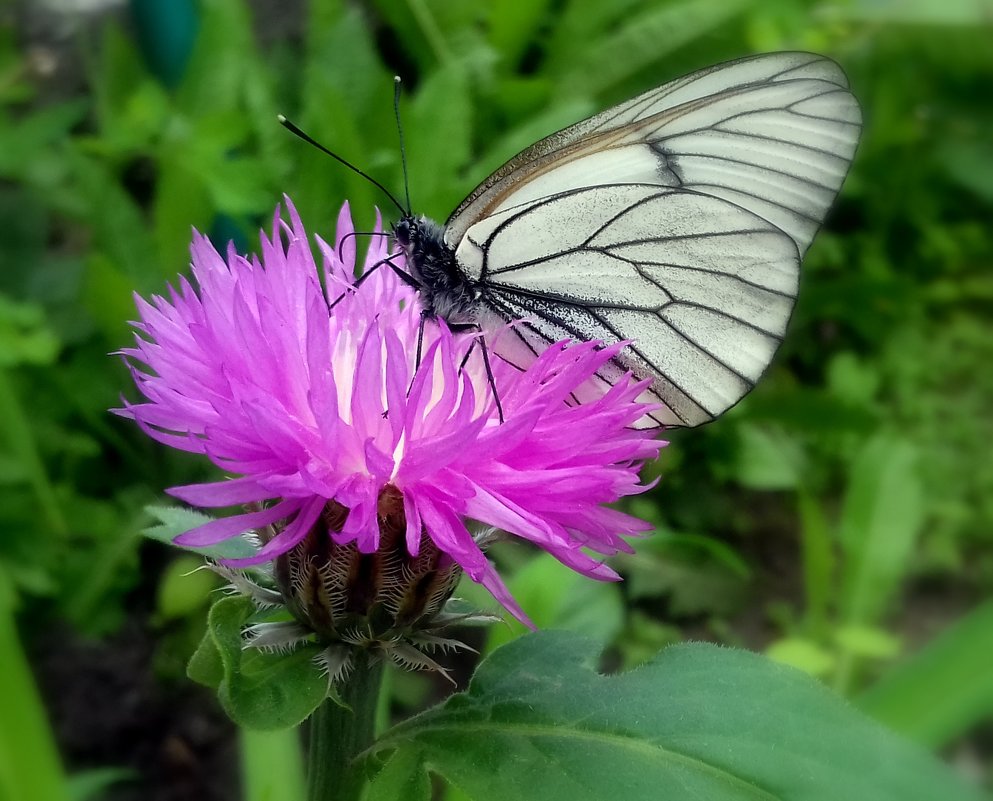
(677, 220)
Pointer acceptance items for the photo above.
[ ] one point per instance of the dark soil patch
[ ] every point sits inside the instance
(108, 709)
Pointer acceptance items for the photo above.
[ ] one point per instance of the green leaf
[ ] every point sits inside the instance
(136, 125)
(818, 553)
(403, 777)
(768, 458)
(426, 27)
(699, 575)
(581, 22)
(868, 642)
(258, 690)
(941, 692)
(182, 202)
(643, 637)
(441, 105)
(117, 222)
(700, 721)
(804, 654)
(30, 767)
(93, 784)
(914, 12)
(24, 144)
(25, 337)
(184, 588)
(549, 118)
(206, 666)
(107, 295)
(852, 380)
(971, 164)
(219, 63)
(115, 75)
(92, 590)
(881, 520)
(557, 597)
(173, 521)
(345, 103)
(208, 150)
(644, 39)
(514, 25)
(20, 436)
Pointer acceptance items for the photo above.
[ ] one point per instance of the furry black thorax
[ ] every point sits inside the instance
(444, 288)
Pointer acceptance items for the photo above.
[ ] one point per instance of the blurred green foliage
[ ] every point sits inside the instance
(839, 516)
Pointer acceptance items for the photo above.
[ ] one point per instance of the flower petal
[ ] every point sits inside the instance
(226, 527)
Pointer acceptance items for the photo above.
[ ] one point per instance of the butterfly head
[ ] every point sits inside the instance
(419, 237)
(444, 288)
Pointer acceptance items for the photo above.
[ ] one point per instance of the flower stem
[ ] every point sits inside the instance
(338, 733)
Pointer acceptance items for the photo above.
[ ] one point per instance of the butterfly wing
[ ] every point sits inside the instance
(706, 298)
(773, 133)
(677, 219)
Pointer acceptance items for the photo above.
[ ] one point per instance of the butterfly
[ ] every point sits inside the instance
(676, 220)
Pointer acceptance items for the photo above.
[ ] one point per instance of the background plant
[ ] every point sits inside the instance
(839, 518)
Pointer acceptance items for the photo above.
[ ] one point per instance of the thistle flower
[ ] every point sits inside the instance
(305, 389)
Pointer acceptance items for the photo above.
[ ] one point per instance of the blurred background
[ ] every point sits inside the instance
(839, 519)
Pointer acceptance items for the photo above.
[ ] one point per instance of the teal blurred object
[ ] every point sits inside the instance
(166, 31)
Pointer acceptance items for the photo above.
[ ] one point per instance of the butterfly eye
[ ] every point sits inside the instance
(401, 232)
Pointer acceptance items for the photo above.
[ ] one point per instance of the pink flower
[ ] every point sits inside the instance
(306, 403)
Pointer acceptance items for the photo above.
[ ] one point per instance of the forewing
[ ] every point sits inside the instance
(702, 286)
(773, 134)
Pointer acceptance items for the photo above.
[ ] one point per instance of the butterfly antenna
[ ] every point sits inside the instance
(293, 129)
(403, 150)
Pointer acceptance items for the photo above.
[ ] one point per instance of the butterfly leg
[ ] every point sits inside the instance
(481, 340)
(404, 276)
(460, 328)
(420, 348)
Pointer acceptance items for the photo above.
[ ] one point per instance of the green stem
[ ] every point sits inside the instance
(818, 563)
(338, 733)
(271, 765)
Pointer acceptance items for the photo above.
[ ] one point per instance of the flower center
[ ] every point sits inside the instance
(343, 594)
